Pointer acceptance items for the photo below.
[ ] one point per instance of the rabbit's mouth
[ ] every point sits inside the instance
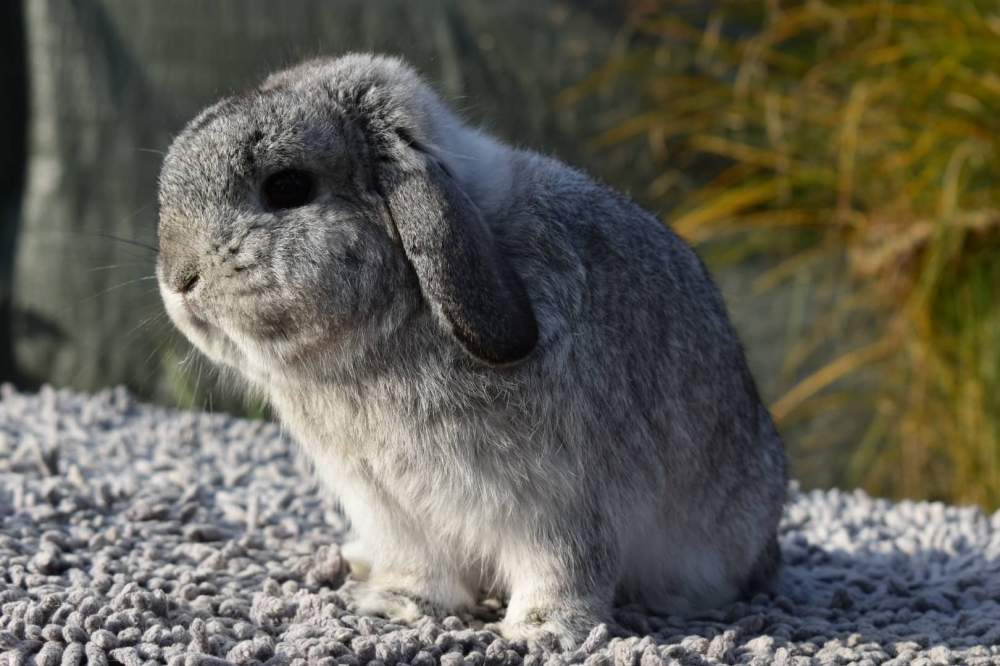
(190, 318)
(194, 313)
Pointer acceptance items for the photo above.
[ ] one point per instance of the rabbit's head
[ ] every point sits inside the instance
(322, 211)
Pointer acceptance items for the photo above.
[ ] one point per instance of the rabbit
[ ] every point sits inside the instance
(514, 379)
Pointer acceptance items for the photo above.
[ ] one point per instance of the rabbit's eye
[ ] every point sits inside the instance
(288, 189)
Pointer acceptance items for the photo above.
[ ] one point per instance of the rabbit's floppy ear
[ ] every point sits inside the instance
(470, 286)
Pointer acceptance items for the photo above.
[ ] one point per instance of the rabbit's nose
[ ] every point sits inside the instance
(189, 283)
(185, 279)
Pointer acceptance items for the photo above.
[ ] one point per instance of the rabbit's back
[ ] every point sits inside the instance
(651, 384)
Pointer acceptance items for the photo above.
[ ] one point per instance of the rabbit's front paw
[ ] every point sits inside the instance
(367, 599)
(356, 555)
(404, 599)
(549, 628)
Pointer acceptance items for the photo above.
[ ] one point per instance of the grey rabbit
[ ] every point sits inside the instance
(514, 379)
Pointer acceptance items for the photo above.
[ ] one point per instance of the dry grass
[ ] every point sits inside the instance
(860, 134)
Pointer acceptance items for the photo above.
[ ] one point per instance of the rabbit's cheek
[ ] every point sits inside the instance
(272, 322)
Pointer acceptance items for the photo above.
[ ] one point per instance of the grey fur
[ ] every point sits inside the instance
(616, 404)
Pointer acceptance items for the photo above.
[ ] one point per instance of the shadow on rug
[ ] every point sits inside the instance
(134, 534)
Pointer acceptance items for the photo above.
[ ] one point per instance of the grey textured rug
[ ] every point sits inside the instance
(134, 534)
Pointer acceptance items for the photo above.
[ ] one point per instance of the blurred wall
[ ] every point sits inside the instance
(13, 132)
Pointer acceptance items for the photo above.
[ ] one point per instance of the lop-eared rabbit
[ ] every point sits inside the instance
(513, 378)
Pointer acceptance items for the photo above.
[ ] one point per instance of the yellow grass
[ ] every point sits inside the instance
(866, 130)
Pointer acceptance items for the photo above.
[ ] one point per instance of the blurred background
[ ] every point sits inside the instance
(835, 163)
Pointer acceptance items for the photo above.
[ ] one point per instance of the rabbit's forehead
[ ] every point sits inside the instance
(237, 142)
(264, 126)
